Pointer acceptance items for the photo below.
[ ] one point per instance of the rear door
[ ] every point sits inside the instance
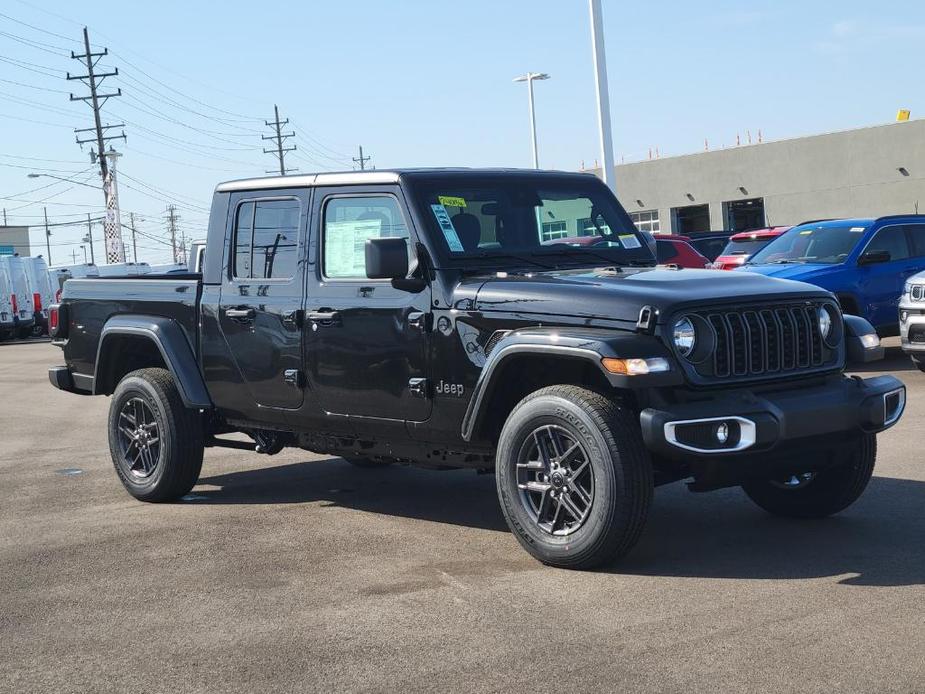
(366, 340)
(260, 302)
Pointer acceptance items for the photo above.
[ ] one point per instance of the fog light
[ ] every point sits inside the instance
(722, 433)
(904, 316)
(870, 341)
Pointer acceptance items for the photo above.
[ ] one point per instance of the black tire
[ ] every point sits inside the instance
(621, 488)
(24, 333)
(177, 453)
(825, 493)
(919, 364)
(368, 463)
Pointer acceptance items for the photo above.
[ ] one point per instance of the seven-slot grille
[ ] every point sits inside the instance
(756, 342)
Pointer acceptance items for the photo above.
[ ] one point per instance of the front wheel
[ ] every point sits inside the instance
(818, 494)
(573, 477)
(156, 443)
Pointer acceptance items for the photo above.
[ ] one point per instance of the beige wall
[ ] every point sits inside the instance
(845, 174)
(15, 237)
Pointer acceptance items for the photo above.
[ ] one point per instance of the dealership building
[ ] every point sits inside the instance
(14, 240)
(868, 172)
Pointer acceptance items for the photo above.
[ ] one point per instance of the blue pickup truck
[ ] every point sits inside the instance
(864, 262)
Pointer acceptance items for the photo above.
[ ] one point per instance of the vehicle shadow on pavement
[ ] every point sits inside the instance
(878, 541)
(457, 497)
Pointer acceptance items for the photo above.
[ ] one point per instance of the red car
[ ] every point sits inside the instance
(675, 250)
(744, 245)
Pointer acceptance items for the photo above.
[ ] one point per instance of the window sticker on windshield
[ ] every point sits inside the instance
(451, 201)
(629, 241)
(857, 230)
(446, 226)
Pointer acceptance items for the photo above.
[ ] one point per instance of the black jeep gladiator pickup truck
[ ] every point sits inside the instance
(501, 320)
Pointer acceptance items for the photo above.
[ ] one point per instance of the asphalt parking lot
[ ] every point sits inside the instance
(301, 573)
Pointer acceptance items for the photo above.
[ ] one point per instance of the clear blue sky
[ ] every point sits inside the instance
(422, 83)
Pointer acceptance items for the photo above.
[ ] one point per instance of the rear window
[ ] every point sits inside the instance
(746, 246)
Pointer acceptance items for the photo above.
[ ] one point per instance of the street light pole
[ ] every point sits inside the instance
(528, 78)
(47, 235)
(603, 97)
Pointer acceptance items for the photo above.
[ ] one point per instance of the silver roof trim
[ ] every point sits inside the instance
(309, 180)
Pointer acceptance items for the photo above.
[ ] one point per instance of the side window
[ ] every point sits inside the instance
(891, 239)
(917, 239)
(666, 251)
(267, 239)
(348, 223)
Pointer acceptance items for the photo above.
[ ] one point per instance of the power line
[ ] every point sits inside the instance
(279, 136)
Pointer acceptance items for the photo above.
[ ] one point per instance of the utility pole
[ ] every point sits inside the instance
(131, 217)
(89, 238)
(74, 257)
(4, 217)
(279, 136)
(112, 223)
(172, 228)
(47, 234)
(603, 95)
(115, 252)
(183, 245)
(361, 160)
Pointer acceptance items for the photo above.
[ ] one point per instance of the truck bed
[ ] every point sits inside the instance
(90, 302)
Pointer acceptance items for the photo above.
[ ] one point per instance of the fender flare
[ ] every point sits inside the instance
(168, 337)
(591, 345)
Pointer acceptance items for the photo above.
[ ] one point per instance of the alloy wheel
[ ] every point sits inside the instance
(555, 479)
(139, 438)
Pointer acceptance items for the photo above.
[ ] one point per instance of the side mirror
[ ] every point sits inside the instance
(874, 257)
(387, 259)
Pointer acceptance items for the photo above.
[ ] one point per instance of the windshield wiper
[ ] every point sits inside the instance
(517, 256)
(575, 252)
(785, 261)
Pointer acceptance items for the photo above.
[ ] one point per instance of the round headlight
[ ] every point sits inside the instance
(825, 322)
(685, 337)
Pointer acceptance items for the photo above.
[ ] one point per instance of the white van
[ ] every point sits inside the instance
(43, 294)
(197, 255)
(124, 269)
(7, 319)
(59, 275)
(23, 313)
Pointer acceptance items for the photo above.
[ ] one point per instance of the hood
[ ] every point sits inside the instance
(794, 271)
(619, 296)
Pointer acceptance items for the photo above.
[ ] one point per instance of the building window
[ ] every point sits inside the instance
(554, 230)
(647, 220)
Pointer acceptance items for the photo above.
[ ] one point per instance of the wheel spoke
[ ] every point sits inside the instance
(542, 450)
(543, 507)
(571, 450)
(581, 493)
(535, 486)
(531, 465)
(571, 508)
(130, 418)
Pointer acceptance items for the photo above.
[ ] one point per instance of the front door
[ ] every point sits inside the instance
(366, 340)
(883, 282)
(260, 307)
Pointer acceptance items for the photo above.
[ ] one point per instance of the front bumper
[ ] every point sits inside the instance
(758, 423)
(912, 327)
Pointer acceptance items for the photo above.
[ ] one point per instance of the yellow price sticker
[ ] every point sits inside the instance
(451, 201)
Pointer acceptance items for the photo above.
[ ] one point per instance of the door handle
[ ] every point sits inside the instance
(293, 319)
(322, 316)
(419, 319)
(241, 314)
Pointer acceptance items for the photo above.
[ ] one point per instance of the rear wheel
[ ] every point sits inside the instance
(156, 443)
(818, 494)
(573, 477)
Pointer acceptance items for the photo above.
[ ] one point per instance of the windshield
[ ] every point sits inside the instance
(530, 220)
(746, 246)
(811, 244)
